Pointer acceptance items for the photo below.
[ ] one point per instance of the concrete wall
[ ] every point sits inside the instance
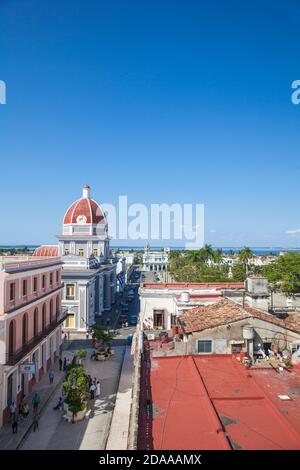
(222, 336)
(149, 304)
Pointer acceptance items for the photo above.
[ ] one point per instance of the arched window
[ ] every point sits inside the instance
(57, 307)
(51, 311)
(35, 322)
(11, 338)
(44, 317)
(24, 329)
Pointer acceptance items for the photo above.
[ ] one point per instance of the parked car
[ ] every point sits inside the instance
(133, 320)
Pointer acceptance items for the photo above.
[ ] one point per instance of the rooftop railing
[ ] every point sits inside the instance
(15, 263)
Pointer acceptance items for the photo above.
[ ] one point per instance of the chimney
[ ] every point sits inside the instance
(86, 191)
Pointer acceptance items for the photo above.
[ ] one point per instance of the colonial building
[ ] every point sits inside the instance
(89, 270)
(227, 327)
(162, 303)
(155, 260)
(30, 324)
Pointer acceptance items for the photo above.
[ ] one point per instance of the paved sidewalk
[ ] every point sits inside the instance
(118, 433)
(10, 441)
(91, 433)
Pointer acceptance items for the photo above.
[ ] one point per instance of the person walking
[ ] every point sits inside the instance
(14, 425)
(59, 404)
(35, 422)
(92, 391)
(12, 410)
(51, 376)
(35, 402)
(98, 389)
(65, 363)
(60, 364)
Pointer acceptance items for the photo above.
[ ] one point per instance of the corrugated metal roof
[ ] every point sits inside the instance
(210, 402)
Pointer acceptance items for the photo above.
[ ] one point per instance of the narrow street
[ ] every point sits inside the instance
(91, 433)
(54, 432)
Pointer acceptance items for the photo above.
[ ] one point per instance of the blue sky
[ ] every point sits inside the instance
(162, 101)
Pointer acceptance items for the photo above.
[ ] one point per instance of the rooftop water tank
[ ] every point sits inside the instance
(248, 332)
(185, 296)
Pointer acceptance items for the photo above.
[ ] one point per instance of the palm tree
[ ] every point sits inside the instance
(218, 256)
(194, 256)
(207, 253)
(245, 254)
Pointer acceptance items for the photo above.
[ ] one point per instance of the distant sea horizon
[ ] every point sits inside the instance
(257, 250)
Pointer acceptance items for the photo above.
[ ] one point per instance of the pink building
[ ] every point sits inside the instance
(30, 323)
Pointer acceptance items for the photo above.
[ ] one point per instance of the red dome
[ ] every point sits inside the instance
(86, 207)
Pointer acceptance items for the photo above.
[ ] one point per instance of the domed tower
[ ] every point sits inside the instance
(85, 230)
(89, 273)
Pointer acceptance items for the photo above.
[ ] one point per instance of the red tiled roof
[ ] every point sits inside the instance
(226, 311)
(87, 207)
(46, 250)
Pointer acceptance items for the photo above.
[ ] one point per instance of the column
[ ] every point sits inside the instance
(107, 291)
(82, 318)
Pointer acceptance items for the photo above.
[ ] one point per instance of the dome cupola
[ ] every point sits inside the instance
(84, 211)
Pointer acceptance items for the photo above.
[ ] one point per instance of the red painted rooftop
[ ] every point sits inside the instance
(213, 402)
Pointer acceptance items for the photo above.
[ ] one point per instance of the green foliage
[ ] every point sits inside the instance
(103, 335)
(285, 270)
(203, 265)
(245, 255)
(238, 272)
(81, 353)
(77, 389)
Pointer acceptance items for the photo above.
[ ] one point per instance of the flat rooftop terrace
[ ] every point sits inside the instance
(213, 402)
(22, 263)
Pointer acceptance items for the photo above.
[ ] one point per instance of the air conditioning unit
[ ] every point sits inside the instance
(150, 336)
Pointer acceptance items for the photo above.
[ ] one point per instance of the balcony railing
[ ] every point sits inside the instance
(16, 356)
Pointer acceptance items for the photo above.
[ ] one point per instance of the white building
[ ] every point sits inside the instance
(162, 303)
(89, 270)
(155, 260)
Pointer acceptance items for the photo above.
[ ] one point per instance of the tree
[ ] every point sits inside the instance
(238, 272)
(244, 255)
(103, 335)
(77, 389)
(285, 271)
(207, 253)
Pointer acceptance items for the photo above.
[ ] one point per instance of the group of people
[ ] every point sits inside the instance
(24, 412)
(106, 353)
(94, 387)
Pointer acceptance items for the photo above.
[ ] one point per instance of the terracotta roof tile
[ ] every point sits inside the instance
(226, 311)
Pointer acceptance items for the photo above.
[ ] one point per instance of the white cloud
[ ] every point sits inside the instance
(213, 230)
(293, 232)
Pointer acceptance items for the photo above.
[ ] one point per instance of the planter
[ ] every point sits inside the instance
(80, 415)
